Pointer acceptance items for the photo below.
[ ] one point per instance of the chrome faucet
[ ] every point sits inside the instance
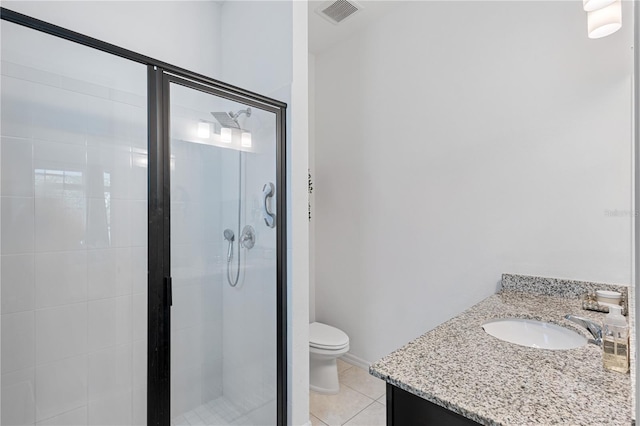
(594, 329)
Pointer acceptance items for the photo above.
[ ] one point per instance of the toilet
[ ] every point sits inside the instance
(326, 344)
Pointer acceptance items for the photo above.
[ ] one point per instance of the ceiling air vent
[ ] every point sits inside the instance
(338, 11)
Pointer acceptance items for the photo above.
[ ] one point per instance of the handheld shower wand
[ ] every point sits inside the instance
(229, 236)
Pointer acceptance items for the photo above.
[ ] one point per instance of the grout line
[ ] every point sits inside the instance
(355, 415)
(318, 418)
(363, 394)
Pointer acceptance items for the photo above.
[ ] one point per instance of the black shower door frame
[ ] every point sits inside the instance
(159, 76)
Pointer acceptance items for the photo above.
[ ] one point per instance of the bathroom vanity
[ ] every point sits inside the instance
(457, 374)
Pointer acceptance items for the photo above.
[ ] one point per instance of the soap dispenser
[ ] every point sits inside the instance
(615, 341)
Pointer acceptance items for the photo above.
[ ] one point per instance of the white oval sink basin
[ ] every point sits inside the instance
(534, 334)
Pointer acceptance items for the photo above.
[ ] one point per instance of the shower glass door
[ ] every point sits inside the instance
(73, 219)
(224, 327)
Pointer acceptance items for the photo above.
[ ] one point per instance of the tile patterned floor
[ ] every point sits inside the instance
(219, 411)
(360, 402)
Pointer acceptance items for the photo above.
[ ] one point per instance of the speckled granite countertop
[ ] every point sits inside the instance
(460, 367)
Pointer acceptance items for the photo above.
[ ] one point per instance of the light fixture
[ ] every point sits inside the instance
(245, 140)
(203, 130)
(591, 5)
(226, 135)
(605, 21)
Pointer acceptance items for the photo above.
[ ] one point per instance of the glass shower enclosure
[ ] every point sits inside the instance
(223, 258)
(142, 259)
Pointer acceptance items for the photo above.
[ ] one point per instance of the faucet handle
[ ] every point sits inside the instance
(594, 328)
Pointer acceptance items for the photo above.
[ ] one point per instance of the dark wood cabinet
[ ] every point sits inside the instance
(407, 409)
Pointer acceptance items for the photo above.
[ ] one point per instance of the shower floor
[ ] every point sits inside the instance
(220, 411)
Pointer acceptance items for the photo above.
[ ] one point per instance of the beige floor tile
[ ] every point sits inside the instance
(383, 399)
(342, 366)
(373, 415)
(316, 421)
(360, 380)
(337, 409)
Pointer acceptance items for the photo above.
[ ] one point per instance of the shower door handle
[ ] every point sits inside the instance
(267, 192)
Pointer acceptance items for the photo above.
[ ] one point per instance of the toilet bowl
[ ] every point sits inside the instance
(326, 344)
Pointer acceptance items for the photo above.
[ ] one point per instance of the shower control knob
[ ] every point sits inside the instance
(248, 237)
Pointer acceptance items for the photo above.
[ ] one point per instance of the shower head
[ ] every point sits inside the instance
(230, 119)
(228, 235)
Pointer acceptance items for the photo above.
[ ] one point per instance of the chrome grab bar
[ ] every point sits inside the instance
(268, 192)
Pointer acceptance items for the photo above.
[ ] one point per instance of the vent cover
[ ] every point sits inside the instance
(337, 11)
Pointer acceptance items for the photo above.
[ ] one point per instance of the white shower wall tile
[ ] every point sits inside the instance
(139, 363)
(16, 225)
(62, 156)
(60, 224)
(102, 265)
(111, 165)
(139, 316)
(61, 332)
(120, 223)
(77, 417)
(61, 386)
(139, 269)
(18, 398)
(18, 283)
(83, 87)
(97, 228)
(124, 271)
(16, 167)
(127, 98)
(185, 393)
(101, 121)
(61, 278)
(128, 122)
(110, 372)
(11, 69)
(17, 99)
(139, 409)
(211, 379)
(186, 348)
(139, 384)
(57, 115)
(139, 161)
(139, 220)
(187, 309)
(110, 322)
(18, 341)
(114, 409)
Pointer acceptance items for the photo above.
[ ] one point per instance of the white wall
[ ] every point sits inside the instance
(456, 141)
(312, 171)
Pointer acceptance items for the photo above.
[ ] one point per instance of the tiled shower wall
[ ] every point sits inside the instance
(249, 327)
(74, 235)
(196, 247)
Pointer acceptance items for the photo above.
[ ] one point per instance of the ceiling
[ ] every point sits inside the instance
(323, 34)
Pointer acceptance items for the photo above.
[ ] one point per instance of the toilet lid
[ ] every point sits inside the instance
(325, 336)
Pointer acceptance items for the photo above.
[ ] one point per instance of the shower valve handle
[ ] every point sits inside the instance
(267, 192)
